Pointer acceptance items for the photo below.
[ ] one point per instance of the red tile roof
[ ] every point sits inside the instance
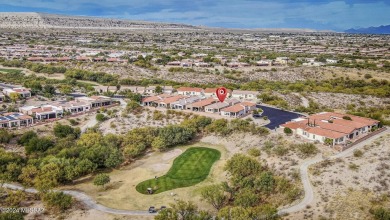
(235, 108)
(204, 102)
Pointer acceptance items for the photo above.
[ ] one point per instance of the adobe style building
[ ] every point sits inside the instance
(336, 127)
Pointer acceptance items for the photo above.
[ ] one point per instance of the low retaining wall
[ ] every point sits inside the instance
(365, 138)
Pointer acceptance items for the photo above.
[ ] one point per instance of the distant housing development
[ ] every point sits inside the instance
(331, 128)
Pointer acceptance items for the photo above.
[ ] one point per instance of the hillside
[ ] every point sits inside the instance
(31, 20)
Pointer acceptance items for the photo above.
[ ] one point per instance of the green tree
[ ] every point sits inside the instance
(234, 213)
(158, 90)
(38, 145)
(101, 180)
(48, 177)
(57, 201)
(14, 97)
(287, 131)
(241, 165)
(65, 89)
(215, 195)
(62, 131)
(26, 137)
(15, 198)
(5, 136)
(28, 175)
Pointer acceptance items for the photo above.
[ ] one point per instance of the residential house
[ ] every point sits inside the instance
(235, 111)
(74, 107)
(216, 107)
(241, 94)
(211, 92)
(149, 101)
(43, 112)
(150, 90)
(189, 91)
(338, 128)
(250, 106)
(23, 92)
(166, 102)
(184, 102)
(201, 105)
(96, 101)
(15, 119)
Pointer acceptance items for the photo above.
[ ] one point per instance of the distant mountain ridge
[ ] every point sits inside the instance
(383, 29)
(33, 20)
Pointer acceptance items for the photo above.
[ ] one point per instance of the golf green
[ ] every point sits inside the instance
(190, 168)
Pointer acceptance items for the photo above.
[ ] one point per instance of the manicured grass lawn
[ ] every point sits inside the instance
(190, 168)
(10, 70)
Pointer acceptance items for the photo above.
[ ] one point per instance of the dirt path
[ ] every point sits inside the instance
(303, 169)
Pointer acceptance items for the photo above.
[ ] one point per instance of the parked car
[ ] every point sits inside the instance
(152, 209)
(256, 116)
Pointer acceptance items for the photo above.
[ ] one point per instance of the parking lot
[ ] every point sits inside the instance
(277, 116)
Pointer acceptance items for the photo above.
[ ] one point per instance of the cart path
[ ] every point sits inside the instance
(303, 169)
(88, 201)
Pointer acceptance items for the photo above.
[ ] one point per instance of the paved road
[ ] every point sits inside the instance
(277, 116)
(303, 169)
(88, 201)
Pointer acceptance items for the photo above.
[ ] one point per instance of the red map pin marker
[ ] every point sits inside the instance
(221, 93)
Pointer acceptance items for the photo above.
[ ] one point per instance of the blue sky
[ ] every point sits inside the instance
(315, 14)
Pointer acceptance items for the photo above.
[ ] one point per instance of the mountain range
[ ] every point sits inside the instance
(383, 29)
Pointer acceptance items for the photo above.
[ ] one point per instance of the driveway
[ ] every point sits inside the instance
(277, 116)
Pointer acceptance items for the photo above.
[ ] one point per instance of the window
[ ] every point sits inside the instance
(314, 137)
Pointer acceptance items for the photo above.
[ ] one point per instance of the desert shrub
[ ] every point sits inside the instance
(101, 180)
(73, 122)
(254, 152)
(157, 115)
(357, 153)
(134, 107)
(100, 117)
(380, 213)
(280, 150)
(367, 76)
(287, 130)
(306, 149)
(353, 166)
(5, 136)
(346, 117)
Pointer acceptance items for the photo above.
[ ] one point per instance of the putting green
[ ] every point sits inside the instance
(190, 168)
